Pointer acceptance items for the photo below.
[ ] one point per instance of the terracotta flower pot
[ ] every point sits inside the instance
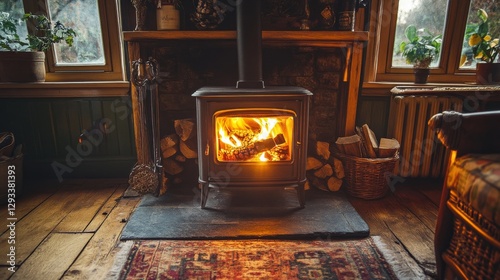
(22, 67)
(421, 75)
(488, 73)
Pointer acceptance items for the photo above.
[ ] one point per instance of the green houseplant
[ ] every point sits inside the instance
(23, 59)
(484, 49)
(421, 48)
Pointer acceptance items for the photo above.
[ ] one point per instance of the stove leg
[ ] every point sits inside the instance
(204, 194)
(301, 195)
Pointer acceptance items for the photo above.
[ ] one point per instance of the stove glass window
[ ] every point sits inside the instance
(250, 136)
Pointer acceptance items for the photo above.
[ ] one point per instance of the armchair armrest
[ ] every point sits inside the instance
(468, 132)
(462, 133)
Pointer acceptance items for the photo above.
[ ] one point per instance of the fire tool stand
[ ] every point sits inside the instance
(146, 175)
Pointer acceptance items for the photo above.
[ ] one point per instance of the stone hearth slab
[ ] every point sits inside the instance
(245, 213)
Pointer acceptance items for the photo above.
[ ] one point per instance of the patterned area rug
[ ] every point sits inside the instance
(256, 259)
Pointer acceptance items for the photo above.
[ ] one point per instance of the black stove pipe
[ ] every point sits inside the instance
(249, 40)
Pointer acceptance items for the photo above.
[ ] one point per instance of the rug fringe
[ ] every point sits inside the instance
(120, 259)
(403, 267)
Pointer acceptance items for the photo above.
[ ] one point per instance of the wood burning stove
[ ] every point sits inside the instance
(252, 135)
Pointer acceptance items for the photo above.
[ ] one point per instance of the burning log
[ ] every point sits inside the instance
(273, 148)
(269, 143)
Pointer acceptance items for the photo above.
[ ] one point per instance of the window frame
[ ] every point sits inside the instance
(111, 70)
(383, 17)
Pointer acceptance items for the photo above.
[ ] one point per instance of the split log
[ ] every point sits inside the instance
(180, 158)
(164, 184)
(350, 145)
(334, 183)
(189, 148)
(169, 145)
(179, 151)
(177, 180)
(185, 128)
(323, 172)
(313, 163)
(370, 143)
(172, 167)
(338, 168)
(318, 183)
(323, 149)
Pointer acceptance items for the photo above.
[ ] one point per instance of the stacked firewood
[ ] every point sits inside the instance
(323, 170)
(179, 151)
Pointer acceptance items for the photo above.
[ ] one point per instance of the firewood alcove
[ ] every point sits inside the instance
(329, 63)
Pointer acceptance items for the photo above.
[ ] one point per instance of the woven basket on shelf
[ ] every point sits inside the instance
(367, 177)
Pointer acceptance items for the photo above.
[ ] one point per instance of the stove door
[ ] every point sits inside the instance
(252, 143)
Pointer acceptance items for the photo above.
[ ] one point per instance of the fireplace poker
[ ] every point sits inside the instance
(143, 177)
(152, 65)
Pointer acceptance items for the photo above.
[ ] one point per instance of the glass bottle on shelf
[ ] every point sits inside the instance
(168, 15)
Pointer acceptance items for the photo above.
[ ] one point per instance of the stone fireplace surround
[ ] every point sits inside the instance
(327, 63)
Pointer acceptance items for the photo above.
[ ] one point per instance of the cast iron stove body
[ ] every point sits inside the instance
(251, 135)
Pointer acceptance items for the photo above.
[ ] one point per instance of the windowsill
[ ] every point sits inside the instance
(65, 89)
(384, 88)
(387, 89)
(389, 85)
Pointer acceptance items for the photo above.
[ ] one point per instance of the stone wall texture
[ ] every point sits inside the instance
(185, 67)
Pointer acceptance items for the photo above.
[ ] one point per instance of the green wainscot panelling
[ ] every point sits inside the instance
(72, 137)
(374, 111)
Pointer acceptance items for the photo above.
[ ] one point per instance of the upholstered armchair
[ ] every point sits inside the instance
(467, 236)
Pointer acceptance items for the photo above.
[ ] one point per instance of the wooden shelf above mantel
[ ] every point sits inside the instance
(298, 36)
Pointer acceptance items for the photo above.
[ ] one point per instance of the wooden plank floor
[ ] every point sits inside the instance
(72, 230)
(405, 221)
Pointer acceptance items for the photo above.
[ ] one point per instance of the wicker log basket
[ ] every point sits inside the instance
(476, 236)
(367, 178)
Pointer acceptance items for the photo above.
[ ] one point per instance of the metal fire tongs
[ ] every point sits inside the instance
(146, 175)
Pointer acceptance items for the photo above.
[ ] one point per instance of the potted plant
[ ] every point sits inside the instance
(23, 59)
(484, 50)
(420, 50)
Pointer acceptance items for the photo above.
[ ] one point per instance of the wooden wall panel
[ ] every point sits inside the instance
(49, 128)
(374, 111)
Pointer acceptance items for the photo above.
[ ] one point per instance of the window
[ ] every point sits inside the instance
(88, 48)
(389, 19)
(473, 21)
(97, 50)
(424, 14)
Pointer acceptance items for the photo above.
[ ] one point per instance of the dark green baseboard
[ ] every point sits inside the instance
(87, 168)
